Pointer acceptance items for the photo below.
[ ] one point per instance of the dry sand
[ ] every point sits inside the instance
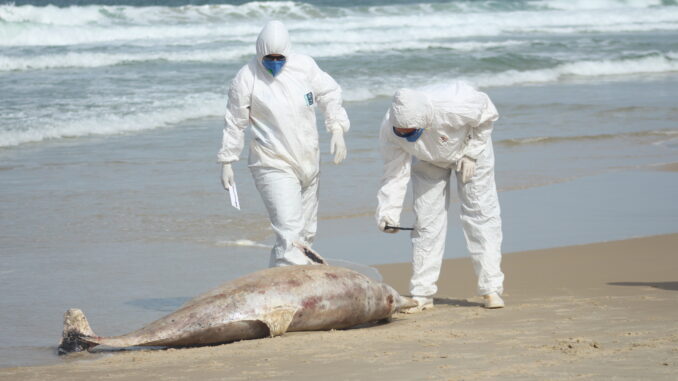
(599, 311)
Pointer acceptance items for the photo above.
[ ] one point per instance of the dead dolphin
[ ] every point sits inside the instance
(269, 302)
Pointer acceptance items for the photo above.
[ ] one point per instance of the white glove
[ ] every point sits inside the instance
(227, 176)
(337, 145)
(387, 221)
(467, 167)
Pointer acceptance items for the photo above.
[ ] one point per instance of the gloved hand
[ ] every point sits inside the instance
(467, 167)
(387, 221)
(337, 145)
(227, 176)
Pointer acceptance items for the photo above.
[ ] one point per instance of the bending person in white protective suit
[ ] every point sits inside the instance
(277, 93)
(432, 136)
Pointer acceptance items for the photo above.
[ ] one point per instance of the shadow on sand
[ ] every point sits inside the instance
(456, 302)
(671, 286)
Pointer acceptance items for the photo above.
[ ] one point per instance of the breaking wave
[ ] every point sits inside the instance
(170, 113)
(240, 54)
(95, 59)
(30, 25)
(655, 64)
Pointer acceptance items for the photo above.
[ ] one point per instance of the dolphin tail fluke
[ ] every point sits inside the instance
(77, 333)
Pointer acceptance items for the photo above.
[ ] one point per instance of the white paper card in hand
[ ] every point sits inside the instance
(233, 192)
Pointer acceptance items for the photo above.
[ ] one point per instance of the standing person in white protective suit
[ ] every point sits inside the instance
(277, 93)
(432, 136)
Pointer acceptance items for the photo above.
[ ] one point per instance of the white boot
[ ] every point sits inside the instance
(423, 303)
(493, 300)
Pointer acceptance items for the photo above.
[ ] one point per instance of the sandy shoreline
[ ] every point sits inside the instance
(605, 310)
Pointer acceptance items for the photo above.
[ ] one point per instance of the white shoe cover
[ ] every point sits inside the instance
(423, 303)
(493, 300)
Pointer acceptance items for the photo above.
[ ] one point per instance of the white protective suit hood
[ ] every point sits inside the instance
(410, 109)
(273, 39)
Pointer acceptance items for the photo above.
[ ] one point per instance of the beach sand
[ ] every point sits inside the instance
(598, 311)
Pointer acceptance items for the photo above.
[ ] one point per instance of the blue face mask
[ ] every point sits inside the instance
(273, 66)
(410, 136)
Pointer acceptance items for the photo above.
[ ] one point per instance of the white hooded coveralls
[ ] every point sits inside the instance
(457, 122)
(284, 157)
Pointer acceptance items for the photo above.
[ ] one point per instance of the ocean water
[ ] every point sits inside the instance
(111, 117)
(90, 69)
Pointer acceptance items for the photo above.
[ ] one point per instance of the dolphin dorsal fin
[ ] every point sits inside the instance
(310, 254)
(278, 320)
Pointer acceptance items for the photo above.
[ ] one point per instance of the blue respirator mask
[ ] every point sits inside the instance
(410, 136)
(273, 64)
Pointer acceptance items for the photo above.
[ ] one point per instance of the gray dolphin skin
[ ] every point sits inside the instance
(265, 303)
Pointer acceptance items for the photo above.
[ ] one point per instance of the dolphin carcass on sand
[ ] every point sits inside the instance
(265, 303)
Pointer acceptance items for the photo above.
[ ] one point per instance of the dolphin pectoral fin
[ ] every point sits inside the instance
(278, 320)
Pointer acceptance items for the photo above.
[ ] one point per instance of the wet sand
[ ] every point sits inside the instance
(598, 311)
(670, 167)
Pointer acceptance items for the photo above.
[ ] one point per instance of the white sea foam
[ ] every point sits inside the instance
(243, 243)
(342, 49)
(90, 59)
(603, 68)
(235, 54)
(654, 64)
(40, 26)
(214, 13)
(52, 15)
(598, 4)
(41, 35)
(436, 26)
(104, 14)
